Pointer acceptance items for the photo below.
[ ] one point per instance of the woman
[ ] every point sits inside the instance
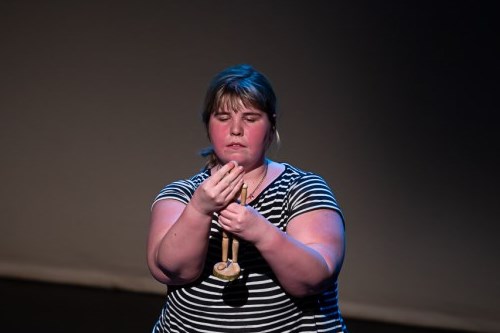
(291, 230)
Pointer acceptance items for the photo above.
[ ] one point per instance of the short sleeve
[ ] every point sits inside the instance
(181, 190)
(311, 192)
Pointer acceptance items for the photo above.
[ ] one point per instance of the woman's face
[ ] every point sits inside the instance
(242, 135)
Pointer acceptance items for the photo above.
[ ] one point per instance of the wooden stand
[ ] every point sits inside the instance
(229, 269)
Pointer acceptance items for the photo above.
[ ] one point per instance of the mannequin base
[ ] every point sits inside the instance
(227, 270)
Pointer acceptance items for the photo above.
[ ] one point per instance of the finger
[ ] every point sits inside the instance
(225, 222)
(224, 171)
(231, 180)
(222, 220)
(232, 189)
(229, 212)
(233, 176)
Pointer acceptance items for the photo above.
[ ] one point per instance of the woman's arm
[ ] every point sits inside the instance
(307, 258)
(178, 235)
(177, 242)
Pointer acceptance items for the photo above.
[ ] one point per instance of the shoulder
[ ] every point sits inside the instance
(308, 191)
(301, 184)
(190, 183)
(183, 189)
(300, 177)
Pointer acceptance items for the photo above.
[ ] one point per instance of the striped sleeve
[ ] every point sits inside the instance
(311, 192)
(181, 190)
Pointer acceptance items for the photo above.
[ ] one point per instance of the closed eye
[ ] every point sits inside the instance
(222, 116)
(252, 117)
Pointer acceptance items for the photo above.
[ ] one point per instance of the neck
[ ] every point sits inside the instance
(256, 181)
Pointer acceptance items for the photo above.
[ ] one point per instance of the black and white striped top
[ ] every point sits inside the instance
(254, 302)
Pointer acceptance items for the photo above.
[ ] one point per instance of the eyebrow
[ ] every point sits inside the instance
(220, 112)
(256, 112)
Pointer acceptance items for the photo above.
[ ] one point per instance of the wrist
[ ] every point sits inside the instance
(198, 209)
(271, 236)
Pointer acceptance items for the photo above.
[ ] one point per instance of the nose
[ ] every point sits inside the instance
(236, 128)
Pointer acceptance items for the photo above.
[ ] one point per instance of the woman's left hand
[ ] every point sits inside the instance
(243, 221)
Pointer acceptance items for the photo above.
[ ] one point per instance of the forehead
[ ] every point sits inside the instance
(227, 103)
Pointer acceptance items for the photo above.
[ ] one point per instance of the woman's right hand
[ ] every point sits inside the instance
(218, 190)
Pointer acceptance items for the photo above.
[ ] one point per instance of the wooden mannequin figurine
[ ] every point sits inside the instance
(230, 269)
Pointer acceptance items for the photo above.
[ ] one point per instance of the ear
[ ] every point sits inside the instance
(208, 134)
(270, 137)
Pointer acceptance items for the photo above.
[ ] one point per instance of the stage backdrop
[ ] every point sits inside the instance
(394, 104)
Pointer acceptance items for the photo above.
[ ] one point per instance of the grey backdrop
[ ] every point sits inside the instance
(394, 104)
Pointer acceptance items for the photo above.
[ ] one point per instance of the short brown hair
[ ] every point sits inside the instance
(233, 86)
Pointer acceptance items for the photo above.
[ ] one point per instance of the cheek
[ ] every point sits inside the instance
(260, 136)
(215, 133)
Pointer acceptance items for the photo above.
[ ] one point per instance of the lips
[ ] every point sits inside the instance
(235, 145)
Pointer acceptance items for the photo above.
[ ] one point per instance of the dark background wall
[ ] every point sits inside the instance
(394, 103)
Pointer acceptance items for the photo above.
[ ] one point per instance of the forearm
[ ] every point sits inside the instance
(181, 253)
(179, 233)
(300, 268)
